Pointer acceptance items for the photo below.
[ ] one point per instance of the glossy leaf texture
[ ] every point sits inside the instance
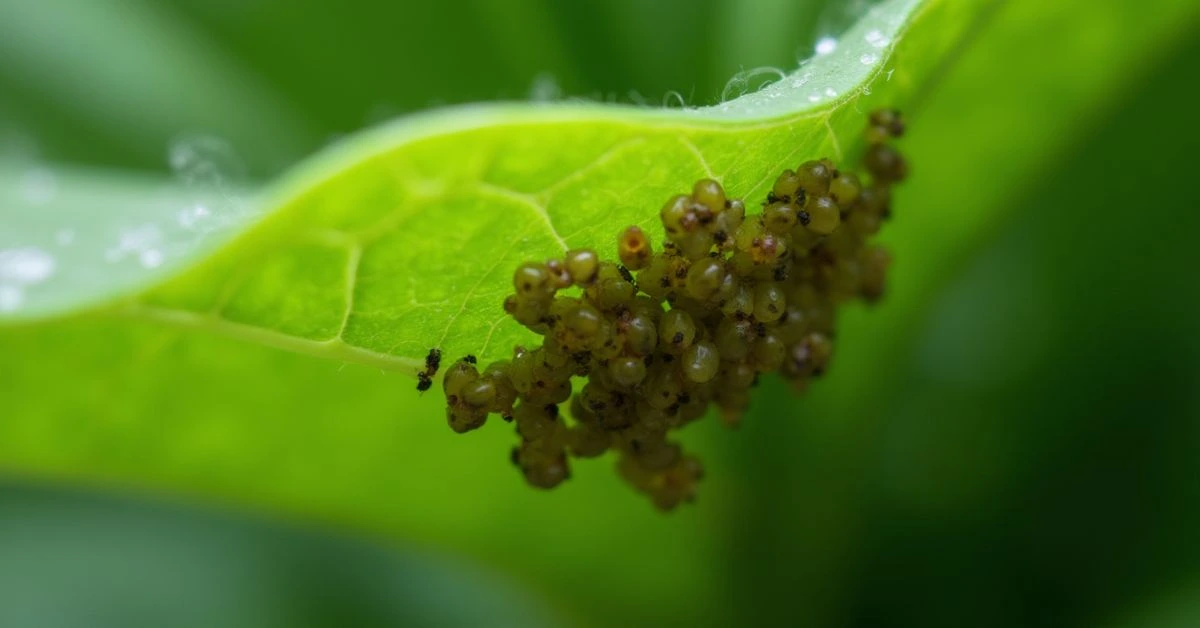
(422, 219)
(971, 171)
(205, 373)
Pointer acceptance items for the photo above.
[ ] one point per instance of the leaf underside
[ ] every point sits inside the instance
(245, 365)
(402, 239)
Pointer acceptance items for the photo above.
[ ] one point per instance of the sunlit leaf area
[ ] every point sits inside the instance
(231, 232)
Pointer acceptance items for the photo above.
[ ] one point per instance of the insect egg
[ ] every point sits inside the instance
(885, 163)
(642, 345)
(531, 281)
(814, 177)
(634, 248)
(845, 189)
(709, 194)
(705, 278)
(824, 216)
(701, 361)
(582, 264)
(780, 217)
(676, 331)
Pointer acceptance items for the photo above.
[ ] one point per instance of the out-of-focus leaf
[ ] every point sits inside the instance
(146, 394)
(134, 75)
(1015, 103)
(168, 407)
(82, 560)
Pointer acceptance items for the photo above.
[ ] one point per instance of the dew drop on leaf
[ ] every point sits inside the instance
(38, 186)
(20, 268)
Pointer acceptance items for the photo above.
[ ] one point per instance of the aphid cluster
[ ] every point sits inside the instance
(433, 361)
(729, 297)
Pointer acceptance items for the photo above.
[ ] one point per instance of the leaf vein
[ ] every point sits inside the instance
(695, 150)
(524, 199)
(603, 158)
(352, 263)
(500, 259)
(331, 349)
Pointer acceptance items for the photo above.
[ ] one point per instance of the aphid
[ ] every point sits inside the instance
(727, 299)
(433, 361)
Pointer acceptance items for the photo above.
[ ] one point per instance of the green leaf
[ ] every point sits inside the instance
(142, 384)
(89, 64)
(161, 558)
(384, 246)
(993, 129)
(401, 239)
(73, 237)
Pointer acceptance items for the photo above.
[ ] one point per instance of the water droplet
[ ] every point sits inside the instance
(803, 80)
(134, 241)
(876, 38)
(205, 161)
(868, 58)
(826, 45)
(151, 258)
(830, 92)
(814, 97)
(19, 268)
(38, 186)
(10, 298)
(26, 265)
(193, 216)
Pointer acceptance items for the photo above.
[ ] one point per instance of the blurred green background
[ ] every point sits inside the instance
(1030, 456)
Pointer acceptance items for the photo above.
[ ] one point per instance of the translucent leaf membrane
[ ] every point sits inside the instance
(395, 238)
(402, 239)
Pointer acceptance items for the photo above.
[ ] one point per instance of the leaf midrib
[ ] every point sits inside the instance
(464, 120)
(332, 349)
(355, 243)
